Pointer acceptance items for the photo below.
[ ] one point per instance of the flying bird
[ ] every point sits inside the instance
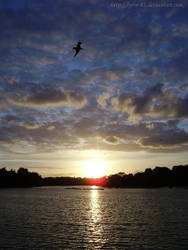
(77, 48)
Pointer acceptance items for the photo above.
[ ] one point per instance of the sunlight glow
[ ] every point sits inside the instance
(94, 169)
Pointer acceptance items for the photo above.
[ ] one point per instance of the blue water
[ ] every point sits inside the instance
(61, 218)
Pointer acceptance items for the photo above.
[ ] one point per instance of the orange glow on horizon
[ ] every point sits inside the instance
(94, 182)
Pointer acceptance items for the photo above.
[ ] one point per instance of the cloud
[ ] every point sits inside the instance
(136, 106)
(29, 126)
(154, 103)
(50, 97)
(112, 140)
(180, 30)
(166, 139)
(111, 96)
(178, 69)
(97, 131)
(170, 106)
(102, 99)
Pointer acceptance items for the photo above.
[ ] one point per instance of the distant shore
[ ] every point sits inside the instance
(150, 178)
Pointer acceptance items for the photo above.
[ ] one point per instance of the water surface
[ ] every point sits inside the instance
(61, 218)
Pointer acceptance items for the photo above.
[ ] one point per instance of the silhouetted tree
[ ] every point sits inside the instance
(21, 178)
(158, 177)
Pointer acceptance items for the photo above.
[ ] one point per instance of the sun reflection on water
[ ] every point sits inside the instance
(95, 227)
(95, 207)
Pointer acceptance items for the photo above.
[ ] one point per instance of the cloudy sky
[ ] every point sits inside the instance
(121, 103)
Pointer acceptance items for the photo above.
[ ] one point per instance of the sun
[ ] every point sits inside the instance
(94, 168)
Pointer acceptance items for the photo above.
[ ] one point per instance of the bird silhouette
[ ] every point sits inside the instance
(77, 48)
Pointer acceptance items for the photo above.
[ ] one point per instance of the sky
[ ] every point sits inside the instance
(120, 105)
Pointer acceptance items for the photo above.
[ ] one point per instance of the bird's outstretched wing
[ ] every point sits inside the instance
(77, 48)
(76, 52)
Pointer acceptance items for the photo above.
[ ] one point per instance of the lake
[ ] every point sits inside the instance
(85, 218)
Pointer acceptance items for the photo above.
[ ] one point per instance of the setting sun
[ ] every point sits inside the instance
(94, 168)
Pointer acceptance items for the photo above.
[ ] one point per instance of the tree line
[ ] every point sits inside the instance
(150, 178)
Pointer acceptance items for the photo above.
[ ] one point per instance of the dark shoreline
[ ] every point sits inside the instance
(151, 178)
